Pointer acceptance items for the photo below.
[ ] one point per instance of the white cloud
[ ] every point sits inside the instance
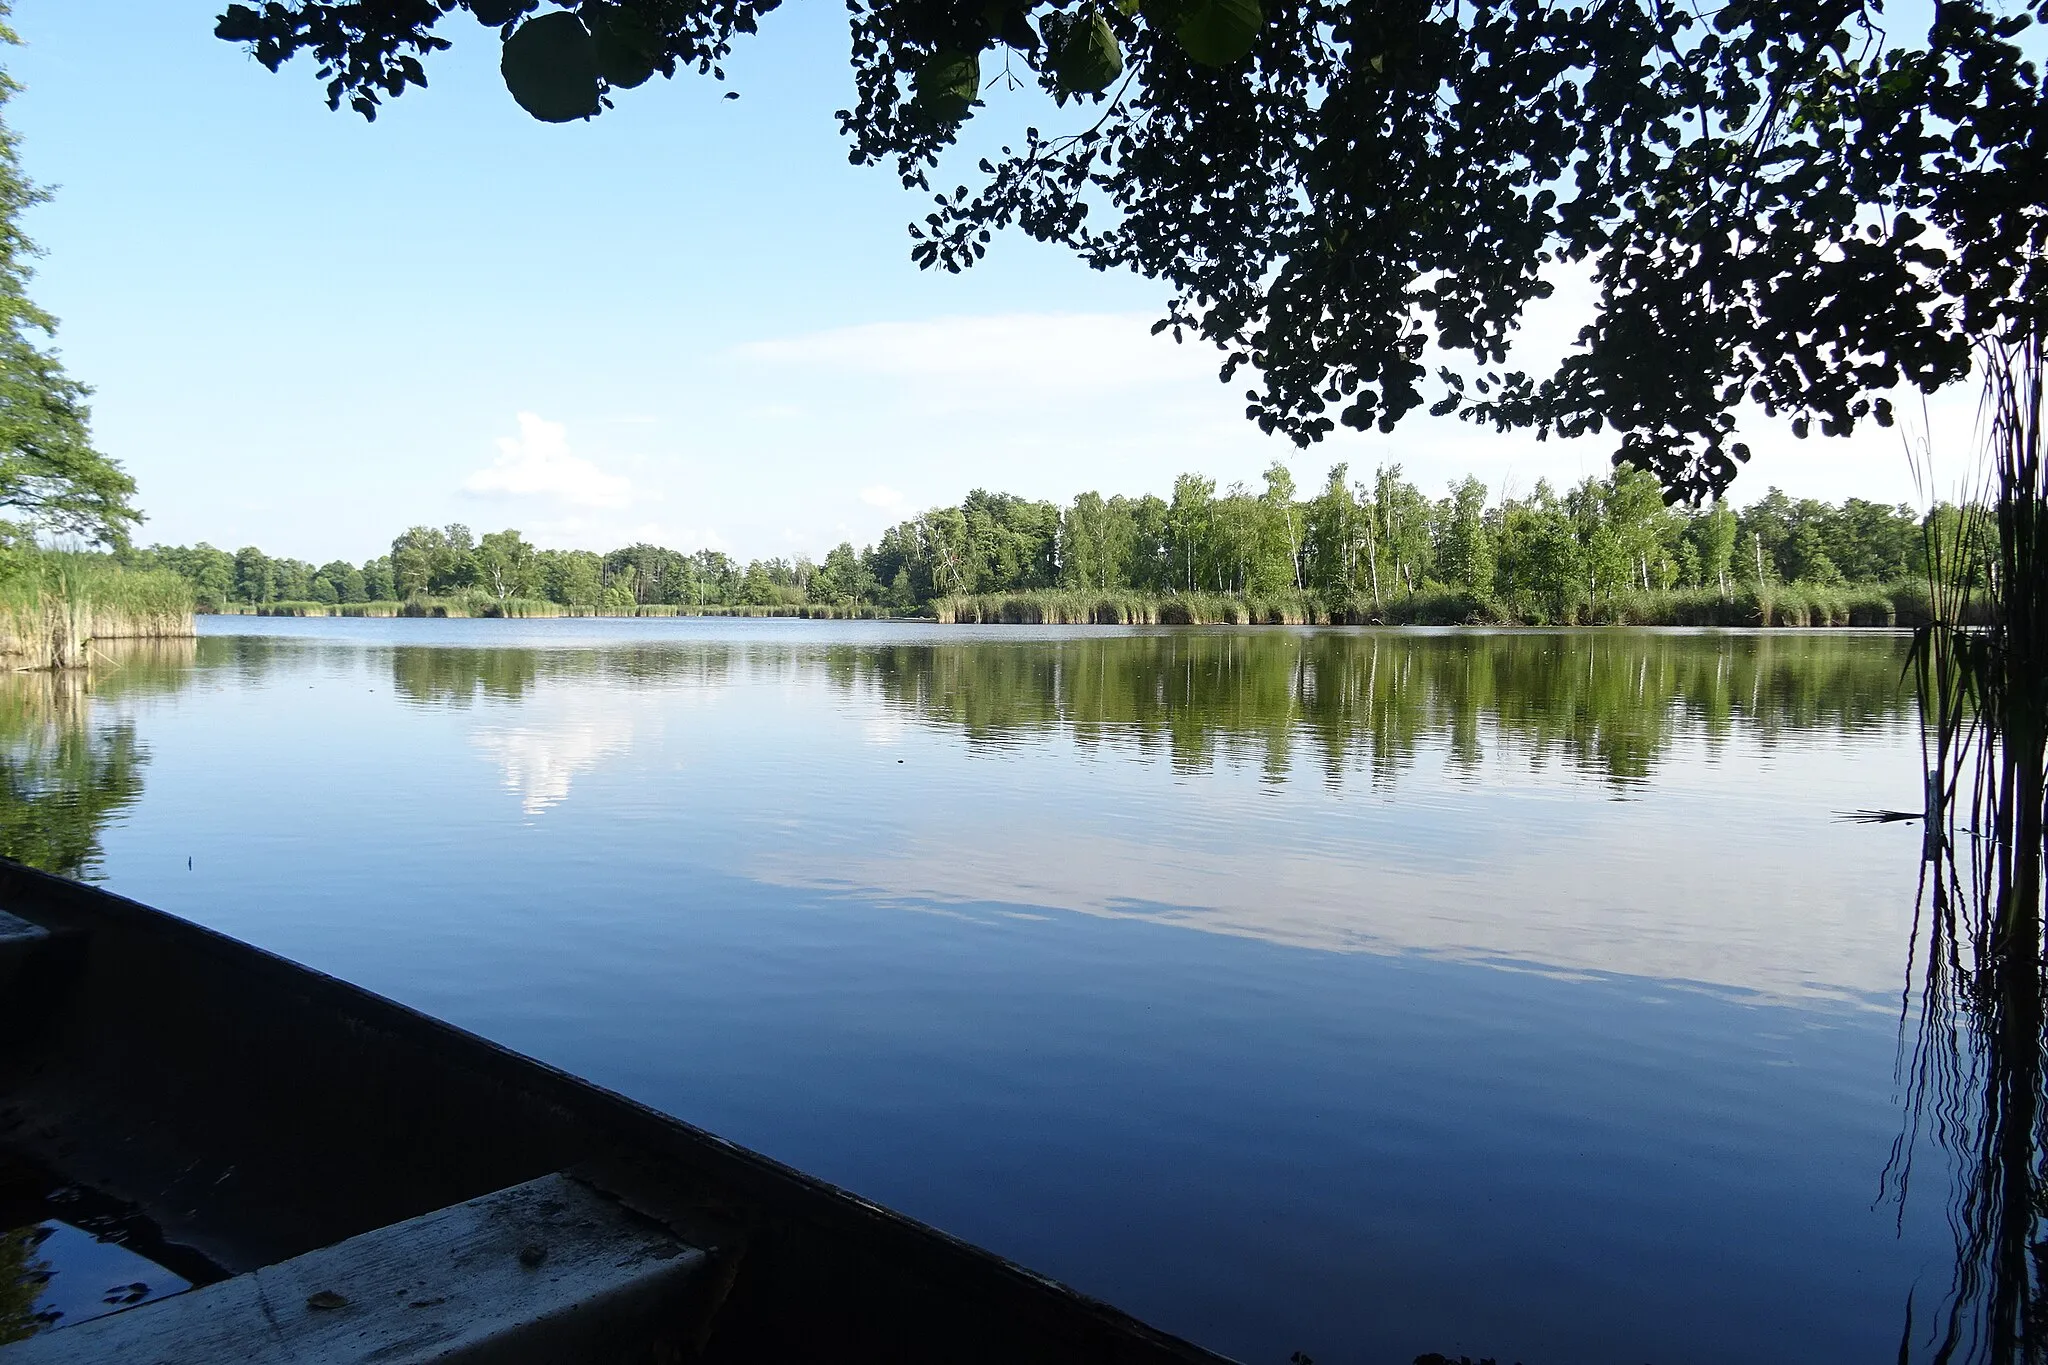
(882, 496)
(537, 463)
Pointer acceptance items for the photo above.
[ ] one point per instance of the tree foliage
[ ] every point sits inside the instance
(50, 475)
(1358, 546)
(1358, 200)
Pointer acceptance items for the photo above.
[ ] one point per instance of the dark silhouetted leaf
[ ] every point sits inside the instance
(1018, 33)
(626, 48)
(239, 24)
(498, 13)
(550, 66)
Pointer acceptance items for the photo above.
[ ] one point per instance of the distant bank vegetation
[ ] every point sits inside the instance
(1606, 551)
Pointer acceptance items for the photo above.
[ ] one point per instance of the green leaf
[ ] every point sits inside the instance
(1219, 32)
(550, 66)
(1085, 57)
(626, 47)
(948, 83)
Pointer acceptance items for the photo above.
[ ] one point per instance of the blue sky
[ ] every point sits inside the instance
(689, 321)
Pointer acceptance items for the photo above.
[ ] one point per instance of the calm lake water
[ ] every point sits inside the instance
(1353, 993)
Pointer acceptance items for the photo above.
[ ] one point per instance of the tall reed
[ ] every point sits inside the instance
(54, 605)
(1975, 1072)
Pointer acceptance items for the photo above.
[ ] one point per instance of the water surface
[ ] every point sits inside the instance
(1359, 993)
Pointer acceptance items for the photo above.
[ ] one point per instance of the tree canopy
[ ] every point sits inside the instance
(1358, 200)
(50, 474)
(1362, 549)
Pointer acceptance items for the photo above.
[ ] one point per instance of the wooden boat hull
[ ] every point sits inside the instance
(252, 1110)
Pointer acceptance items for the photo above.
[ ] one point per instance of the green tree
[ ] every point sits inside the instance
(1333, 533)
(574, 578)
(619, 594)
(1087, 553)
(1554, 558)
(412, 561)
(337, 573)
(505, 565)
(1766, 533)
(1397, 529)
(843, 577)
(432, 560)
(1872, 543)
(714, 578)
(291, 580)
(1280, 557)
(50, 475)
(1149, 555)
(1465, 551)
(253, 581)
(659, 575)
(454, 560)
(211, 572)
(1714, 536)
(1644, 531)
(1189, 525)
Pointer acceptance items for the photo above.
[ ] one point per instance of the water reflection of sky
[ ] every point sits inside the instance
(542, 757)
(924, 927)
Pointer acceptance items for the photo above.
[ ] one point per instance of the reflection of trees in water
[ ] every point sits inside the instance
(63, 775)
(1608, 703)
(22, 1275)
(458, 677)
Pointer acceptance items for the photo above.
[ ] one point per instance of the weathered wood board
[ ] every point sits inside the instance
(545, 1272)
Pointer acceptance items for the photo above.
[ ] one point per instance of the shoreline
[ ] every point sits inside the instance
(1779, 607)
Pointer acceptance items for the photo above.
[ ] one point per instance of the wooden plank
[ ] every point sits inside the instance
(547, 1271)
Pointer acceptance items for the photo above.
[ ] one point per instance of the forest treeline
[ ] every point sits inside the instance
(1357, 547)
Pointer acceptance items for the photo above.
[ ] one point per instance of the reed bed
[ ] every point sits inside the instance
(1791, 605)
(479, 605)
(802, 611)
(1061, 607)
(310, 609)
(528, 608)
(54, 606)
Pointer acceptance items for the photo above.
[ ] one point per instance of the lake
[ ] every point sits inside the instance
(1356, 993)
